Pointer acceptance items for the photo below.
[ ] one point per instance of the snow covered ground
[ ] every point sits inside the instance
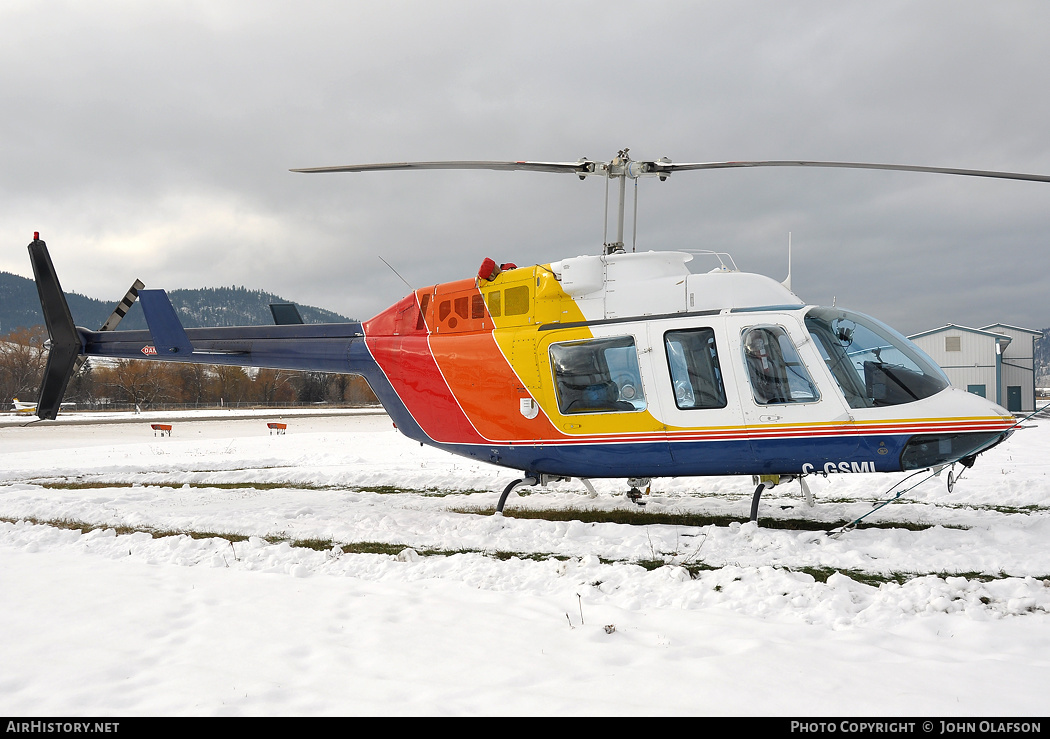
(512, 616)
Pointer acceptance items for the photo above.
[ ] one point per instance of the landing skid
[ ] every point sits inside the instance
(635, 494)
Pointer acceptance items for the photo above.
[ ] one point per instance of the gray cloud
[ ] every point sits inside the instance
(154, 140)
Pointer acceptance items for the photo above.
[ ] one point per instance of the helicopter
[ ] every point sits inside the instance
(611, 365)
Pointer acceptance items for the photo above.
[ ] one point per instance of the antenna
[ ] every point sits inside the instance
(396, 273)
(787, 281)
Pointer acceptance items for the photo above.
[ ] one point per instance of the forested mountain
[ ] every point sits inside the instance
(221, 306)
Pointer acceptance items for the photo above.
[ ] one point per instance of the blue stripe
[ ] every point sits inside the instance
(695, 458)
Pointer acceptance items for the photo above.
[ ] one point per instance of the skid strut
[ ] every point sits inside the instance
(542, 480)
(763, 482)
(524, 482)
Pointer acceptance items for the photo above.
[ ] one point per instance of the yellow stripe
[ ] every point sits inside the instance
(525, 348)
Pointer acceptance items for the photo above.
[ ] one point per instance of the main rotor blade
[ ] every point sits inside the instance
(581, 167)
(663, 168)
(657, 167)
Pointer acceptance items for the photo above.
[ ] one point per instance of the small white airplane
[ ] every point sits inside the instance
(28, 408)
(19, 407)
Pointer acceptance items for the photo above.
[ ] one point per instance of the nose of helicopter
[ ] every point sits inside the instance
(971, 404)
(972, 426)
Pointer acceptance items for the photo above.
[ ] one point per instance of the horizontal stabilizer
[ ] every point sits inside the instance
(169, 337)
(285, 314)
(65, 341)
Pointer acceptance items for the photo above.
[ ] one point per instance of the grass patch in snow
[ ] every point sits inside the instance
(694, 567)
(397, 490)
(121, 530)
(379, 489)
(646, 518)
(174, 485)
(821, 574)
(875, 579)
(1006, 509)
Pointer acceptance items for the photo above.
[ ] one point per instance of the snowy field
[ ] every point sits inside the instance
(468, 614)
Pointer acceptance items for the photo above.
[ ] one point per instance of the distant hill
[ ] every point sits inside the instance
(218, 306)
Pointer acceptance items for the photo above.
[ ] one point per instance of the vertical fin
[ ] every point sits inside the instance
(285, 313)
(169, 337)
(65, 341)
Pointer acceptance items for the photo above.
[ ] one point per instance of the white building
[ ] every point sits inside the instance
(996, 362)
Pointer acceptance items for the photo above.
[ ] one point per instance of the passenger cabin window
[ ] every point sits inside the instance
(774, 368)
(516, 300)
(597, 376)
(494, 304)
(695, 374)
(455, 311)
(462, 306)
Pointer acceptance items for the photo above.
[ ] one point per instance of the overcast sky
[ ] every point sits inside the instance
(153, 140)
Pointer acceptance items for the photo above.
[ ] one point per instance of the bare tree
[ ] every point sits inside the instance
(22, 361)
(231, 383)
(312, 387)
(272, 386)
(139, 381)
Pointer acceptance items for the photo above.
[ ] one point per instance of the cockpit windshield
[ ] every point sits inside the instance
(873, 364)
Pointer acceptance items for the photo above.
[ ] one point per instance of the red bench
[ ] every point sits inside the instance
(161, 428)
(278, 427)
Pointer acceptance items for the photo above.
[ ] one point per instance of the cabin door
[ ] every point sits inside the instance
(795, 417)
(693, 380)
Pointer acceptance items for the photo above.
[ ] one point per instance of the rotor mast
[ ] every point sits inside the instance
(622, 168)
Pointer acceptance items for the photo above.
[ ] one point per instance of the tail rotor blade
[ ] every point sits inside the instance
(123, 307)
(115, 317)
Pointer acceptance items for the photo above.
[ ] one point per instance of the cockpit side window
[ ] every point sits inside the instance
(597, 376)
(695, 373)
(873, 365)
(774, 368)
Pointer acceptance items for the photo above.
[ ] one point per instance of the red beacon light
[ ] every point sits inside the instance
(489, 271)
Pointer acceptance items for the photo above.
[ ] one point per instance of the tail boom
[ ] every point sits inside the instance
(331, 347)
